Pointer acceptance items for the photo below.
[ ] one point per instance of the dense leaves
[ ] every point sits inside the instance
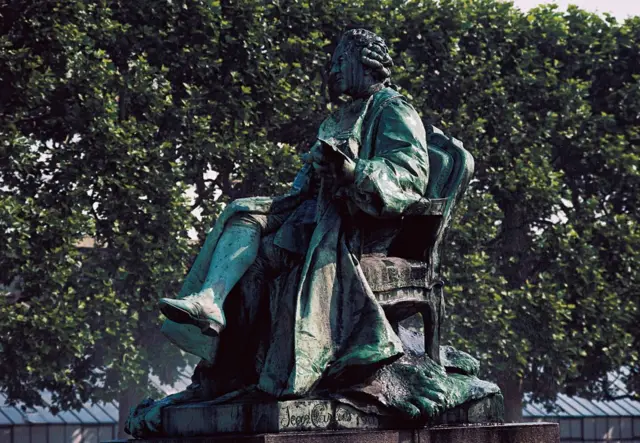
(121, 121)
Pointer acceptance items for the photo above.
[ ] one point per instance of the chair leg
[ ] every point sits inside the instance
(431, 339)
(432, 315)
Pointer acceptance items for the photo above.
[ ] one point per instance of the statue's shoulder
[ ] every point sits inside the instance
(386, 98)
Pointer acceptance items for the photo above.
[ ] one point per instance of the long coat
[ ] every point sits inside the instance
(319, 320)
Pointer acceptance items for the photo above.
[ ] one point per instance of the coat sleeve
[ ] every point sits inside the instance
(398, 173)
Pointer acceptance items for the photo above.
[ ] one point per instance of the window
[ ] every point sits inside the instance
(602, 428)
(56, 434)
(576, 428)
(565, 428)
(39, 433)
(589, 428)
(90, 434)
(74, 434)
(625, 428)
(105, 432)
(5, 435)
(21, 434)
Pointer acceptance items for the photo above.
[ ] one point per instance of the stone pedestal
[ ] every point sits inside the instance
(326, 421)
(305, 415)
(502, 433)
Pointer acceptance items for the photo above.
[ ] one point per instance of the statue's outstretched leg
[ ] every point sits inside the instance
(236, 250)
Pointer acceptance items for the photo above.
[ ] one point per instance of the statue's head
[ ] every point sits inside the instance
(360, 62)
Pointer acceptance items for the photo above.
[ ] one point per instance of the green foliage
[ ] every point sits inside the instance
(551, 228)
(111, 110)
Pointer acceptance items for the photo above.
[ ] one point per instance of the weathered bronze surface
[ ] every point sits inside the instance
(300, 295)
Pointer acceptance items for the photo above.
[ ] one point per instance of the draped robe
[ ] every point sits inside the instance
(318, 320)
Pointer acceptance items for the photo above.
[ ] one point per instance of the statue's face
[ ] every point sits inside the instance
(345, 75)
(339, 71)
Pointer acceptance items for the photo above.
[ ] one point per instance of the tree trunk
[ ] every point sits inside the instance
(513, 392)
(129, 397)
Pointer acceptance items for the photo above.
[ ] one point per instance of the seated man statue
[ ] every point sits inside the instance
(300, 306)
(278, 285)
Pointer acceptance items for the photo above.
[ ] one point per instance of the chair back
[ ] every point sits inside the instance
(451, 167)
(449, 181)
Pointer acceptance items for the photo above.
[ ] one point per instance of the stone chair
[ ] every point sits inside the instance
(408, 281)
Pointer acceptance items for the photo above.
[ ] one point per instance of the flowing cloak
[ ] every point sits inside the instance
(320, 319)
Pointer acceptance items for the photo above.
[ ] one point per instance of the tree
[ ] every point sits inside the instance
(544, 100)
(111, 110)
(83, 155)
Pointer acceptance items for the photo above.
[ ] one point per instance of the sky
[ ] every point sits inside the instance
(620, 9)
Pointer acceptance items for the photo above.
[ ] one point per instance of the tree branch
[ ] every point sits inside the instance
(635, 397)
(205, 193)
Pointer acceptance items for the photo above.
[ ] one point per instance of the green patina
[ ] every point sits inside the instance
(307, 322)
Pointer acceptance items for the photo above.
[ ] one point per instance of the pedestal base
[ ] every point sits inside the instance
(195, 419)
(503, 433)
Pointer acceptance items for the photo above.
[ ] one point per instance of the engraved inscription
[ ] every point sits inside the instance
(367, 420)
(321, 415)
(343, 415)
(292, 419)
(350, 418)
(286, 418)
(306, 415)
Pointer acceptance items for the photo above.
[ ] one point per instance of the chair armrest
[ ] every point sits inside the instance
(426, 206)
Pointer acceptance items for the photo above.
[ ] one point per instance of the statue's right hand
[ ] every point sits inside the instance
(318, 160)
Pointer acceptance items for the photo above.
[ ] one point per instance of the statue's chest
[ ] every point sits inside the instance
(343, 128)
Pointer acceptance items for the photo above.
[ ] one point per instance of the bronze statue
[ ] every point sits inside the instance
(278, 304)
